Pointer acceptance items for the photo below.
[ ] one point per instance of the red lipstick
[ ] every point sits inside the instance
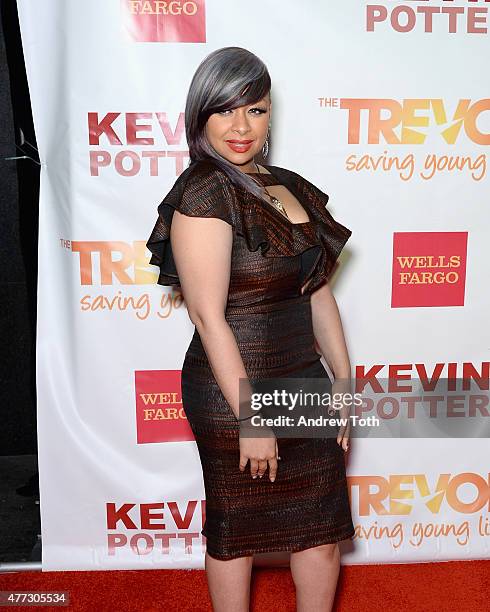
(239, 146)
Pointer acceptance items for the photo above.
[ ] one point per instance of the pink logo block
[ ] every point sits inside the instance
(159, 413)
(429, 269)
(159, 21)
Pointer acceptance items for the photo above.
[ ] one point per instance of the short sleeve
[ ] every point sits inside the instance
(332, 235)
(202, 190)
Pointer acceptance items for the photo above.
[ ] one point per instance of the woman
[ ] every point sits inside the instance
(252, 247)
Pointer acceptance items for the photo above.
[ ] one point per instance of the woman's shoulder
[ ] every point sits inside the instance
(203, 189)
(205, 186)
(201, 185)
(204, 170)
(199, 191)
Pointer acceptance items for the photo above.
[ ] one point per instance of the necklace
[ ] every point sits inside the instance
(274, 201)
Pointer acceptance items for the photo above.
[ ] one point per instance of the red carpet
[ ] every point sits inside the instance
(453, 586)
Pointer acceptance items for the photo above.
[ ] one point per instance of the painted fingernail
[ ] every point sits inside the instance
(272, 479)
(254, 476)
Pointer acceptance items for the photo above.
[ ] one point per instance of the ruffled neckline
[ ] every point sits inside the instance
(262, 226)
(319, 240)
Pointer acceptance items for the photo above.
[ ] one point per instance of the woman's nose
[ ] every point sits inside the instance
(240, 123)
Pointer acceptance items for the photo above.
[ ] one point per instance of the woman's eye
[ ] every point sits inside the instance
(255, 111)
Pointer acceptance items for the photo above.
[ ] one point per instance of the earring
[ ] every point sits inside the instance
(265, 148)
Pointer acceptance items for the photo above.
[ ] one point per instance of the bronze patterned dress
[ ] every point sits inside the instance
(272, 259)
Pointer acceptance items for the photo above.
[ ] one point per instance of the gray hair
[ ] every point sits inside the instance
(225, 79)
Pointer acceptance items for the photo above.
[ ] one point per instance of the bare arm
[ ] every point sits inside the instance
(202, 252)
(329, 334)
(327, 327)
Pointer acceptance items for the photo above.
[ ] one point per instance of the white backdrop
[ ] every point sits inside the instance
(121, 483)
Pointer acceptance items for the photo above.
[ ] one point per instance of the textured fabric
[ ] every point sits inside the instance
(271, 319)
(205, 190)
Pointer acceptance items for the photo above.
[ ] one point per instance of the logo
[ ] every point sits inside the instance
(124, 145)
(408, 121)
(159, 413)
(429, 269)
(419, 123)
(158, 21)
(428, 16)
(399, 494)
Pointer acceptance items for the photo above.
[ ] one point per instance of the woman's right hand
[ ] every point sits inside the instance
(261, 452)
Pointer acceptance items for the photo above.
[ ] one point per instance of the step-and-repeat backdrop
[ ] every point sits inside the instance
(385, 107)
